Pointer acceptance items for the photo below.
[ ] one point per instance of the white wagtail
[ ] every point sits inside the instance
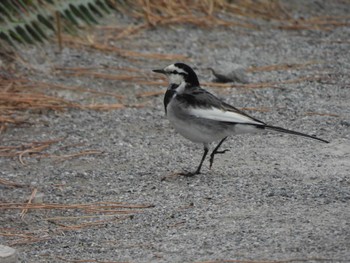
(203, 118)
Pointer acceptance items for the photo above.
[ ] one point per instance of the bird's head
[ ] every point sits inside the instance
(179, 73)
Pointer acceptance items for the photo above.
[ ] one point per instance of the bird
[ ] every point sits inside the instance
(201, 117)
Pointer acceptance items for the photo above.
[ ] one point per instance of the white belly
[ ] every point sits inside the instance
(200, 130)
(195, 131)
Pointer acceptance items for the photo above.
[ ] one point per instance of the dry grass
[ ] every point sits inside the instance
(18, 95)
(203, 13)
(23, 149)
(99, 207)
(206, 14)
(36, 149)
(325, 23)
(20, 98)
(11, 184)
(239, 13)
(80, 217)
(309, 113)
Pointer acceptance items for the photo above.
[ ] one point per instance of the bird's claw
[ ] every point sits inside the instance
(213, 154)
(189, 174)
(221, 152)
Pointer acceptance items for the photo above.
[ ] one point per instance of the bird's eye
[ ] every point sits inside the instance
(177, 72)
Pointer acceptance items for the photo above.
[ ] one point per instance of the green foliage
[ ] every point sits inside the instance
(33, 21)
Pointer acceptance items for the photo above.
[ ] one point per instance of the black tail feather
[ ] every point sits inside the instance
(279, 129)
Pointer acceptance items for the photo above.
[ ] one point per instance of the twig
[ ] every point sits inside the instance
(31, 150)
(149, 94)
(25, 210)
(96, 207)
(321, 114)
(68, 218)
(11, 184)
(27, 148)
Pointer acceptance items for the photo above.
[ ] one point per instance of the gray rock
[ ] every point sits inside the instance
(8, 254)
(229, 72)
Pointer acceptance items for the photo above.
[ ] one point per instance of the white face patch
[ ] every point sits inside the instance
(175, 78)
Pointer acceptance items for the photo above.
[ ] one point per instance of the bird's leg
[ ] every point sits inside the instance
(215, 151)
(198, 171)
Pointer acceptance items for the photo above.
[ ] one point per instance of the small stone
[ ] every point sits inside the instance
(38, 198)
(8, 254)
(345, 123)
(229, 72)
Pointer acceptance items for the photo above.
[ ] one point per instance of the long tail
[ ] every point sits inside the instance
(279, 129)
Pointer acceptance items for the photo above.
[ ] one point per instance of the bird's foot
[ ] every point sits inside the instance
(213, 154)
(189, 174)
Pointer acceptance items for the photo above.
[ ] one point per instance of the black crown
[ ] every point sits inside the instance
(191, 76)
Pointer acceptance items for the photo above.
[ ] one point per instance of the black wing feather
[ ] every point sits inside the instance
(200, 98)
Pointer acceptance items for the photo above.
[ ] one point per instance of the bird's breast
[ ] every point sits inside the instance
(193, 128)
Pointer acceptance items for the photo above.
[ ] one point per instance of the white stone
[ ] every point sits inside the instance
(8, 254)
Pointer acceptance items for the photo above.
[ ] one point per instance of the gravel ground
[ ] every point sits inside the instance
(271, 197)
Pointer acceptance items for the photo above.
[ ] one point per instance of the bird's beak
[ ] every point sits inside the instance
(159, 71)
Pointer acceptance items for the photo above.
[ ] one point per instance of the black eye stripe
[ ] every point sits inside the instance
(177, 72)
